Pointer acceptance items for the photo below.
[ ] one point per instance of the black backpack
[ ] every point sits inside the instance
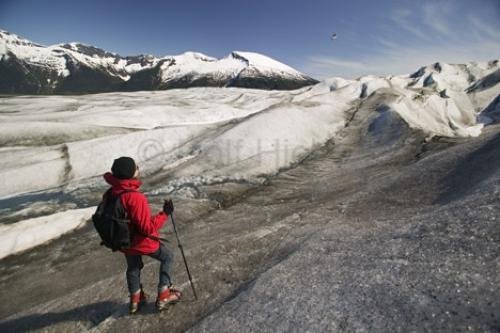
(111, 222)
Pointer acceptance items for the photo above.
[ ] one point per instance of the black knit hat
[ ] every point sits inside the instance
(123, 167)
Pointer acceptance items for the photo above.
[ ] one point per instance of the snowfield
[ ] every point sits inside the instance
(58, 142)
(23, 235)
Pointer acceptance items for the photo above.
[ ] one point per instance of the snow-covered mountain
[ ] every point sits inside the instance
(61, 135)
(27, 67)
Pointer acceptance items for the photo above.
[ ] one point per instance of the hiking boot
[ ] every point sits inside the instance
(136, 301)
(166, 296)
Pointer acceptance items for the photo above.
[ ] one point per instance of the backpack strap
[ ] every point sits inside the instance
(118, 198)
(158, 239)
(107, 193)
(126, 191)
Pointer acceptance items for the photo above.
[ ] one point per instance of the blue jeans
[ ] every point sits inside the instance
(135, 264)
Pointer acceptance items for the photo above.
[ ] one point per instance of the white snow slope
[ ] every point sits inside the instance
(204, 135)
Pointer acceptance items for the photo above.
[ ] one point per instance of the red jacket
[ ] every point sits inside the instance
(136, 204)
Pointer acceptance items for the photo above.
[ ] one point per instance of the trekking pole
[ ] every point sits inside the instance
(183, 256)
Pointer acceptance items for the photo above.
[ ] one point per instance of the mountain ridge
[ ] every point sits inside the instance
(31, 68)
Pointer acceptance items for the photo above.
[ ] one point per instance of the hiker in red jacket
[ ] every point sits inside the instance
(142, 224)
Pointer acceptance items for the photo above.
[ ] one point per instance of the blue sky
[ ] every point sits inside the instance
(374, 37)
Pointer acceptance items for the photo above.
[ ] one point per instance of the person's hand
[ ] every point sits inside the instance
(168, 206)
